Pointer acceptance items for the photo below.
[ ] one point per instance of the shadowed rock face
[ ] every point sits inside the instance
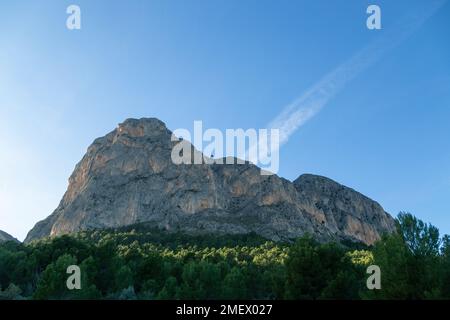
(127, 177)
(6, 237)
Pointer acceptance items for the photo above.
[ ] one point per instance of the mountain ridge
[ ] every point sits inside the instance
(127, 177)
(7, 237)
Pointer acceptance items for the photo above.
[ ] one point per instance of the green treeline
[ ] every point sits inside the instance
(139, 263)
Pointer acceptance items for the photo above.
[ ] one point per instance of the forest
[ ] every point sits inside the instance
(142, 263)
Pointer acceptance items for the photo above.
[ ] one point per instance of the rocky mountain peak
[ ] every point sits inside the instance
(141, 127)
(127, 177)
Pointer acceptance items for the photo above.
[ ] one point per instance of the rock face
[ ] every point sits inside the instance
(6, 237)
(343, 210)
(127, 177)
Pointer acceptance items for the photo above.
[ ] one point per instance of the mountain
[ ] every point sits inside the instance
(6, 237)
(127, 177)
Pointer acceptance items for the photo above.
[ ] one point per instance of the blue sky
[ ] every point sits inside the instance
(231, 64)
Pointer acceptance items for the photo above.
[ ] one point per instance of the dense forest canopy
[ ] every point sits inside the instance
(142, 263)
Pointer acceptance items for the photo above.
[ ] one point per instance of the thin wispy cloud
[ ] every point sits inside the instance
(308, 104)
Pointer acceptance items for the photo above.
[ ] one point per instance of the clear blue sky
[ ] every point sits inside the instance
(232, 64)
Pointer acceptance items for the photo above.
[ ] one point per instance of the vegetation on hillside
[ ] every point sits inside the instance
(140, 263)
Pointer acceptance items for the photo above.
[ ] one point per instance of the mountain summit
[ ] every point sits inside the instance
(127, 177)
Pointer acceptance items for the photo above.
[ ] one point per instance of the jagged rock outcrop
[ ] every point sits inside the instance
(127, 177)
(6, 237)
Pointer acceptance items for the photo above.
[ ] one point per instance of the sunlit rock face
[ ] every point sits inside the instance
(6, 237)
(343, 210)
(127, 177)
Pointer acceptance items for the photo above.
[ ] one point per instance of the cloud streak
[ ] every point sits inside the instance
(307, 105)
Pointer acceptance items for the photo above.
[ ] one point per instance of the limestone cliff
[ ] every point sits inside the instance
(127, 177)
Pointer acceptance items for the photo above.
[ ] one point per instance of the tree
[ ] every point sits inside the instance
(421, 238)
(169, 291)
(13, 292)
(233, 286)
(445, 267)
(123, 278)
(200, 280)
(52, 283)
(317, 271)
(392, 256)
(409, 261)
